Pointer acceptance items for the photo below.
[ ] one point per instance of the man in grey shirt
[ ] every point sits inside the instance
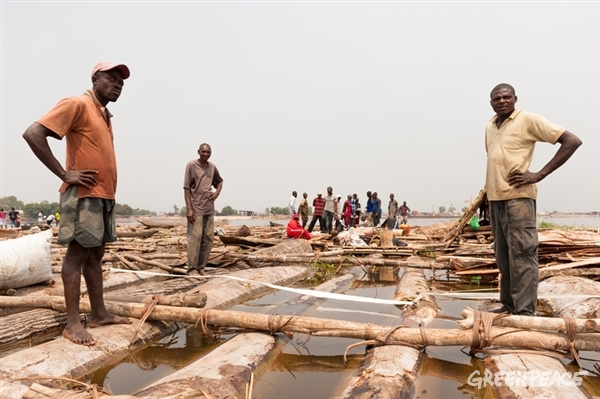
(200, 177)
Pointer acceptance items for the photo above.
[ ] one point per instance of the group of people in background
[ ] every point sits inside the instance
(13, 216)
(333, 214)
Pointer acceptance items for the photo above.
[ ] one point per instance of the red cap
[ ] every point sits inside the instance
(107, 66)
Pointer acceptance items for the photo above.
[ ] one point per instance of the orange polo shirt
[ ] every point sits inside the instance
(86, 125)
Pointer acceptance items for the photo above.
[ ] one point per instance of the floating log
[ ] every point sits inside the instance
(340, 260)
(148, 222)
(128, 264)
(588, 308)
(500, 336)
(160, 265)
(534, 323)
(138, 233)
(188, 300)
(8, 233)
(390, 371)
(222, 373)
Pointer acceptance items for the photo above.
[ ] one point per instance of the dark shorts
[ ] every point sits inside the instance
(89, 221)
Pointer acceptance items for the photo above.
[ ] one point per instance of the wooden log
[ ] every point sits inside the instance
(222, 373)
(27, 325)
(293, 259)
(413, 285)
(534, 323)
(160, 265)
(517, 363)
(588, 271)
(148, 222)
(390, 371)
(571, 307)
(130, 265)
(500, 336)
(8, 233)
(137, 234)
(223, 358)
(591, 261)
(194, 300)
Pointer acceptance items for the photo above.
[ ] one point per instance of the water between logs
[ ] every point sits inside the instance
(314, 367)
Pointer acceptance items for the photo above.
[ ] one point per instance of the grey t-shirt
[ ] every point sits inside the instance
(199, 179)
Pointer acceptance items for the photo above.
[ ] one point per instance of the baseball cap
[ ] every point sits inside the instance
(319, 193)
(107, 66)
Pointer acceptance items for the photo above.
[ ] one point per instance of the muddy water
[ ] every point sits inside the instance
(313, 367)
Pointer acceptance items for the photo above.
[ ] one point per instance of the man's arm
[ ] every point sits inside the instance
(189, 212)
(568, 145)
(215, 195)
(36, 136)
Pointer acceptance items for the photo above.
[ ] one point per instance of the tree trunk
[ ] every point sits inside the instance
(325, 327)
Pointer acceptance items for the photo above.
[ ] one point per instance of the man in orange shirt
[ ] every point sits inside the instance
(87, 199)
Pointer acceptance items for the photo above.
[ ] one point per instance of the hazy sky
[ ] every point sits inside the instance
(387, 97)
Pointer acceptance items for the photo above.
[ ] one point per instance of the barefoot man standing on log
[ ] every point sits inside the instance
(510, 139)
(87, 199)
(200, 176)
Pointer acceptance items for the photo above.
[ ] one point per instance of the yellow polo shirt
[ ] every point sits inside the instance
(510, 148)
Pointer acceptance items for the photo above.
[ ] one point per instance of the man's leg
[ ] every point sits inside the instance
(71, 276)
(207, 240)
(194, 240)
(311, 226)
(92, 274)
(522, 239)
(499, 224)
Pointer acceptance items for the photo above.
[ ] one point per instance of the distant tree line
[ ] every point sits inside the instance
(31, 209)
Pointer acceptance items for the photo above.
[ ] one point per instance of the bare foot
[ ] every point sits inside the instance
(110, 319)
(78, 335)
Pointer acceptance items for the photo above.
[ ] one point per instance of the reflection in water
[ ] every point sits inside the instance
(147, 365)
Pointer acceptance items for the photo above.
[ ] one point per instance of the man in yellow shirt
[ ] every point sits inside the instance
(510, 139)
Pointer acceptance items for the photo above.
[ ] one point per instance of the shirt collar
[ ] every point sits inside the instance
(104, 110)
(512, 116)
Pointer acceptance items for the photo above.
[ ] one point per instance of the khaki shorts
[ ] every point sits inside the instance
(89, 221)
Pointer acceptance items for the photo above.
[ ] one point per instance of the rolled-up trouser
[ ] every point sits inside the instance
(327, 220)
(200, 235)
(516, 244)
